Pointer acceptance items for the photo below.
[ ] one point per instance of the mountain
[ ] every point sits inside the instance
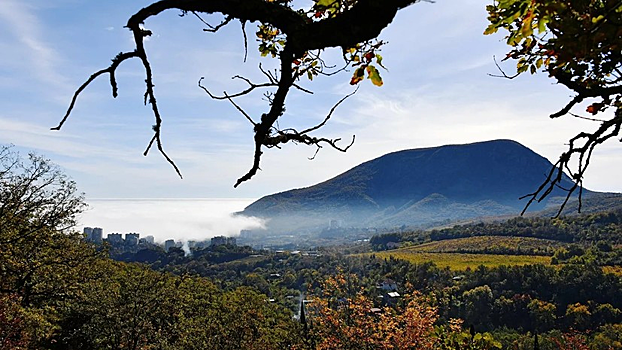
(417, 187)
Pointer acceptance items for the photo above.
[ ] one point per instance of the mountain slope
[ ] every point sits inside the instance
(415, 187)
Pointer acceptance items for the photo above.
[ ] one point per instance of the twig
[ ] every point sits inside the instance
(113, 83)
(245, 40)
(494, 58)
(240, 109)
(220, 25)
(330, 113)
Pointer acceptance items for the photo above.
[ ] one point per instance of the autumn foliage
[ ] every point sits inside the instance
(343, 319)
(341, 322)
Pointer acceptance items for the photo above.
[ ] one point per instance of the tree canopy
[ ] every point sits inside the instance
(579, 44)
(41, 257)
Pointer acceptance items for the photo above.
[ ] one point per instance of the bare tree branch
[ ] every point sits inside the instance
(608, 129)
(586, 118)
(139, 35)
(577, 99)
(245, 39)
(113, 83)
(220, 25)
(503, 74)
(241, 110)
(200, 19)
(363, 21)
(226, 96)
(272, 78)
(329, 113)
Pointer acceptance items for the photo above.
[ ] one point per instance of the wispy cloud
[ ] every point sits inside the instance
(33, 52)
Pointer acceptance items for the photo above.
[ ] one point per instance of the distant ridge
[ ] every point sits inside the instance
(416, 187)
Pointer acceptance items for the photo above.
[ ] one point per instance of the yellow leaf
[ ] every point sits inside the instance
(374, 75)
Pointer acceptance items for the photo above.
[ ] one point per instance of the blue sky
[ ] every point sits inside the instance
(436, 92)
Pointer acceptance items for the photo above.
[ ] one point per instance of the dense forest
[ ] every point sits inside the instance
(511, 303)
(58, 291)
(254, 302)
(602, 226)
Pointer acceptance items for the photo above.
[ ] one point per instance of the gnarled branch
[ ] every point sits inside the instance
(608, 129)
(113, 82)
(363, 21)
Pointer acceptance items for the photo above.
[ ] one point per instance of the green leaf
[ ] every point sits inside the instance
(358, 76)
(374, 75)
(542, 24)
(491, 29)
(379, 61)
(327, 3)
(596, 19)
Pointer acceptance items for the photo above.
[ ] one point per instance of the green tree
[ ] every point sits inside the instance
(41, 257)
(578, 316)
(578, 44)
(608, 337)
(478, 304)
(128, 307)
(132, 307)
(606, 313)
(543, 314)
(13, 333)
(43, 262)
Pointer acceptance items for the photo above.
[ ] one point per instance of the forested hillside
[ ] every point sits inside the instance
(59, 292)
(508, 302)
(418, 187)
(591, 228)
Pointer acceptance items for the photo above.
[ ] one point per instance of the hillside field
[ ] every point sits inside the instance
(491, 244)
(459, 261)
(470, 252)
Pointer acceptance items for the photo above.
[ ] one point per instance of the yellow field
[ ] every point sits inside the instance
(478, 243)
(616, 270)
(458, 262)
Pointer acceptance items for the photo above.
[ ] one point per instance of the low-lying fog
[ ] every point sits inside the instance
(178, 219)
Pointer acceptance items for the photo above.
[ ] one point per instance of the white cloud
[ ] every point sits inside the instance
(197, 219)
(33, 53)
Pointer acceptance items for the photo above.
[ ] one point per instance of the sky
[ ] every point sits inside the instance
(437, 90)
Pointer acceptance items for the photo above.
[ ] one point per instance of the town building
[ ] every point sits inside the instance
(131, 239)
(149, 240)
(115, 239)
(98, 235)
(93, 234)
(168, 244)
(388, 285)
(223, 240)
